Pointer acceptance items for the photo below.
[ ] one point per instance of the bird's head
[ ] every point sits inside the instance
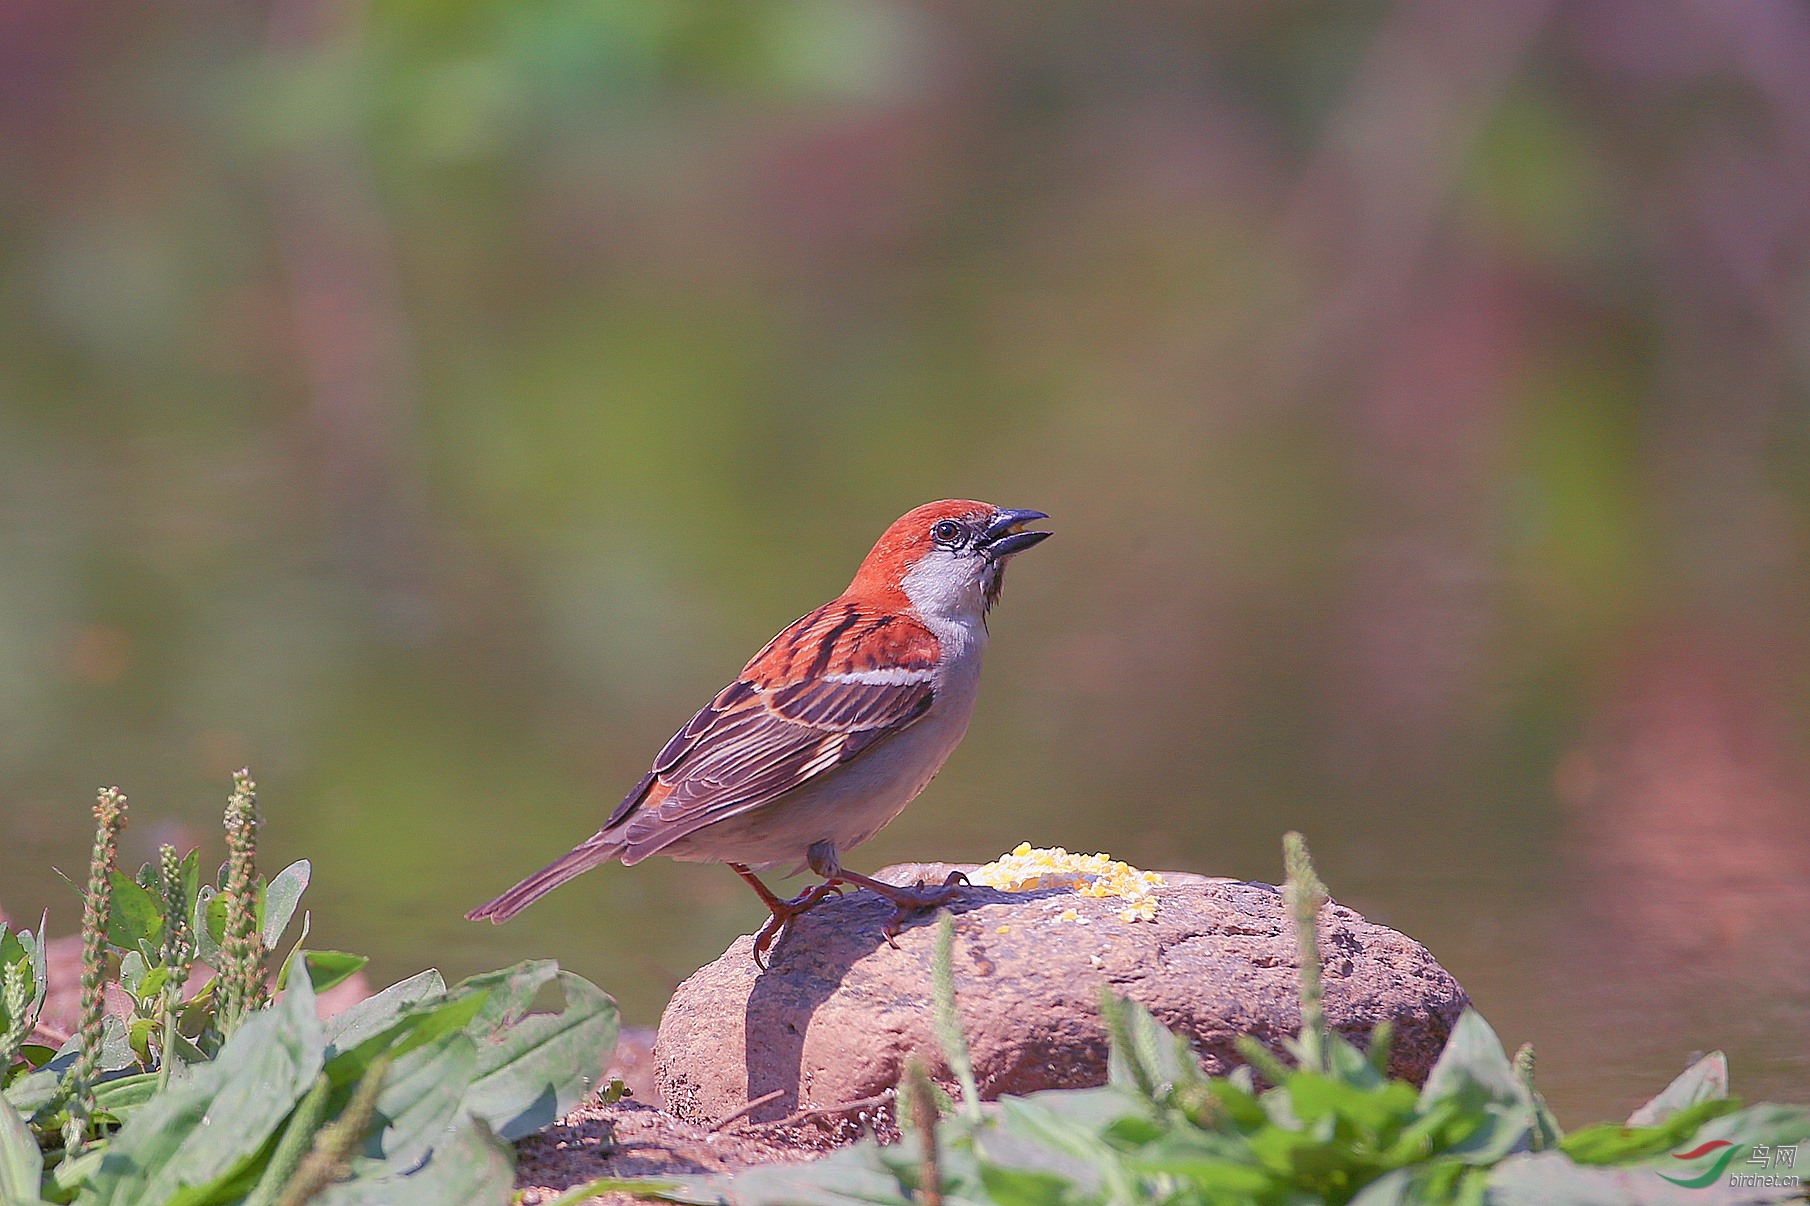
(946, 559)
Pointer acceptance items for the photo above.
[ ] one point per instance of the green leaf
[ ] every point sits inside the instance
(468, 1164)
(1314, 1096)
(638, 1186)
(123, 1094)
(207, 1128)
(416, 1025)
(131, 971)
(40, 961)
(133, 914)
(21, 1163)
(1024, 1187)
(533, 1070)
(1474, 1072)
(36, 1054)
(1145, 1054)
(326, 969)
(29, 1094)
(1033, 1121)
(280, 899)
(138, 1037)
(1705, 1080)
(352, 1026)
(207, 924)
(116, 1046)
(293, 1146)
(1221, 1178)
(152, 984)
(1355, 1067)
(70, 1175)
(191, 879)
(1611, 1144)
(850, 1176)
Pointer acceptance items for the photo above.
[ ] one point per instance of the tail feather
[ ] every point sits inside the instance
(570, 865)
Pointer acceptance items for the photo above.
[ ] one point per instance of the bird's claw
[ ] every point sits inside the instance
(913, 900)
(784, 914)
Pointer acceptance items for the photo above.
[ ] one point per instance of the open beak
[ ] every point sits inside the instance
(1006, 534)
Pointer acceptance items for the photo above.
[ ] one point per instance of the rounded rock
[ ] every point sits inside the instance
(834, 1018)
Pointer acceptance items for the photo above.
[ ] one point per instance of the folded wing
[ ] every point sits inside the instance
(824, 691)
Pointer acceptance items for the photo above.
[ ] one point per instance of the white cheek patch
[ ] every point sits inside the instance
(889, 676)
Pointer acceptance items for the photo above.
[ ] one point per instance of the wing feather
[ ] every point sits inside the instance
(824, 691)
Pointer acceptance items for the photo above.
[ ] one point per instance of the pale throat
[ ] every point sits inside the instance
(947, 593)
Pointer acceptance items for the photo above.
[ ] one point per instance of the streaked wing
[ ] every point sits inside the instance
(822, 692)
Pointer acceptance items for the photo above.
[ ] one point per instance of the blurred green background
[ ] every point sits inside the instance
(429, 403)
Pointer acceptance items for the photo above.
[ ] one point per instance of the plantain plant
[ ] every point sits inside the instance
(1319, 1122)
(212, 1091)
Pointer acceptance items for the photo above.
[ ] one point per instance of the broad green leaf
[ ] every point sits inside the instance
(207, 924)
(70, 1175)
(1145, 1054)
(29, 1094)
(1315, 1095)
(132, 914)
(12, 948)
(327, 969)
(123, 1094)
(1032, 1121)
(24, 951)
(416, 1025)
(352, 1026)
(36, 1054)
(641, 1187)
(1345, 1062)
(138, 1037)
(40, 961)
(1024, 1187)
(1215, 1177)
(281, 897)
(467, 1165)
(1392, 1189)
(1705, 1080)
(191, 878)
(292, 1146)
(131, 971)
(1015, 1147)
(1611, 1144)
(1549, 1179)
(1767, 1122)
(116, 1046)
(1474, 1072)
(152, 984)
(216, 920)
(21, 1163)
(207, 1128)
(422, 1096)
(1095, 1109)
(850, 1176)
(533, 1070)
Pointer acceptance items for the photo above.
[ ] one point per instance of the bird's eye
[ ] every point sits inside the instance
(947, 531)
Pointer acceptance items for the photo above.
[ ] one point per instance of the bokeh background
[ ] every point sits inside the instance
(429, 402)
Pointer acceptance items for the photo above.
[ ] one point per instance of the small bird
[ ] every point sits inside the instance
(828, 732)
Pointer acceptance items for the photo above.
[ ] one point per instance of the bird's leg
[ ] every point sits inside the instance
(906, 901)
(783, 910)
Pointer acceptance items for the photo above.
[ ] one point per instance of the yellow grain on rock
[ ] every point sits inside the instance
(1028, 868)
